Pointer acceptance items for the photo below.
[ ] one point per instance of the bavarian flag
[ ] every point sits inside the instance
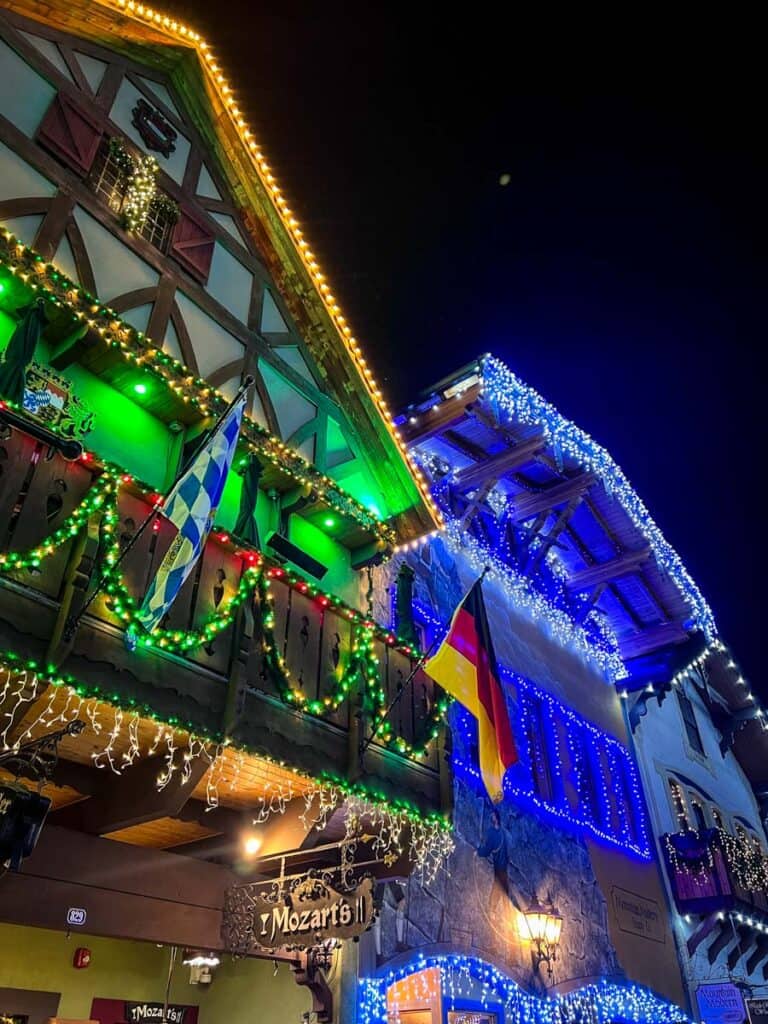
(191, 506)
(465, 666)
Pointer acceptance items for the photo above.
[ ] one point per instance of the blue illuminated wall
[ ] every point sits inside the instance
(573, 818)
(569, 771)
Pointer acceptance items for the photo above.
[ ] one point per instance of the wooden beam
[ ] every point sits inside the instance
(589, 604)
(721, 942)
(496, 466)
(701, 931)
(528, 504)
(180, 899)
(745, 941)
(433, 421)
(652, 638)
(552, 537)
(604, 572)
(133, 798)
(476, 502)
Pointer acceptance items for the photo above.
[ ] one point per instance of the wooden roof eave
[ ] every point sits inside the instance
(448, 415)
(383, 458)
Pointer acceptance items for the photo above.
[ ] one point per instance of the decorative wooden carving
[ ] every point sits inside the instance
(70, 132)
(153, 128)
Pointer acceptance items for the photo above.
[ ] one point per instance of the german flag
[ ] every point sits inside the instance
(465, 666)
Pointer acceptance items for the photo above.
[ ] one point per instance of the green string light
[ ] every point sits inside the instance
(14, 663)
(363, 661)
(136, 348)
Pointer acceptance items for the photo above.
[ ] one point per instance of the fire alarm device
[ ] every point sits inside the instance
(82, 958)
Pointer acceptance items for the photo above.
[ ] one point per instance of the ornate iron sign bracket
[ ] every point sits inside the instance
(38, 758)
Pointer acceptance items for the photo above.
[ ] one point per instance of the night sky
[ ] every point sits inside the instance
(617, 271)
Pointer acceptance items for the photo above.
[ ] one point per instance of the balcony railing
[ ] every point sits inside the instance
(713, 870)
(59, 525)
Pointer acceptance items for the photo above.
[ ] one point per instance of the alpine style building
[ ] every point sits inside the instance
(267, 789)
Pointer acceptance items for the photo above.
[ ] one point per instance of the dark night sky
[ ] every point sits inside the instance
(617, 272)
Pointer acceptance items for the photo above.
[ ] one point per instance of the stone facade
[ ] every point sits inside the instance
(464, 911)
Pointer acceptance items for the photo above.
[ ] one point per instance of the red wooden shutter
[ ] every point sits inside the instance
(70, 132)
(192, 244)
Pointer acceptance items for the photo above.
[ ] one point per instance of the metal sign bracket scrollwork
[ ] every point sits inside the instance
(306, 911)
(38, 758)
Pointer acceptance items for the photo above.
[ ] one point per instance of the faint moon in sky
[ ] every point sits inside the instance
(505, 179)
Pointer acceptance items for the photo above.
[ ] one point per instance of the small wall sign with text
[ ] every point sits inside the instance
(758, 1011)
(638, 915)
(720, 1004)
(76, 917)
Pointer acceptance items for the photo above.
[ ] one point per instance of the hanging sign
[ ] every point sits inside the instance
(758, 1011)
(137, 1012)
(302, 913)
(720, 1004)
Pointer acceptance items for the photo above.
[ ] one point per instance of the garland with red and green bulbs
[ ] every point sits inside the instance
(102, 500)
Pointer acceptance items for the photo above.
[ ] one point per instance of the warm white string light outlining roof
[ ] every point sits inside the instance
(179, 32)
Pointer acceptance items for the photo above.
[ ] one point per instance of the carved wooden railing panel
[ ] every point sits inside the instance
(411, 716)
(315, 641)
(38, 491)
(309, 644)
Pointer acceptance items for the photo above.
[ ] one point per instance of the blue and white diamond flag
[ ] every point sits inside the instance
(191, 506)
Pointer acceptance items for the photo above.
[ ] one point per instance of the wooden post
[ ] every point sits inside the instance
(76, 577)
(242, 638)
(356, 732)
(444, 765)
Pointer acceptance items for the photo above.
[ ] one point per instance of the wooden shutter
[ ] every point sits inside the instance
(70, 132)
(192, 244)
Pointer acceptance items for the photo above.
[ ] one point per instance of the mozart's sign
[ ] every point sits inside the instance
(306, 913)
(154, 1011)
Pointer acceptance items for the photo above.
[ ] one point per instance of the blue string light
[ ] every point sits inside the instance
(609, 806)
(606, 801)
(525, 405)
(465, 979)
(543, 597)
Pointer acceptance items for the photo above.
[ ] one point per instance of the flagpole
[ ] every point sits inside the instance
(73, 621)
(419, 664)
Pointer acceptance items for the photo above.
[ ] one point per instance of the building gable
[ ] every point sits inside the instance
(209, 288)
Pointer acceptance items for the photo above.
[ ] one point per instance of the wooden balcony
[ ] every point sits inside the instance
(283, 676)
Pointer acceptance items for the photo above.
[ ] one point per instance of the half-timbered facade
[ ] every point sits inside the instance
(149, 266)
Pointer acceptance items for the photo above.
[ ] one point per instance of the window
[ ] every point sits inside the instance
(717, 818)
(623, 786)
(158, 226)
(537, 750)
(689, 720)
(589, 799)
(109, 179)
(698, 814)
(678, 805)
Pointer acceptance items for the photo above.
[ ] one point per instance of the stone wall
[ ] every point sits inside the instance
(464, 909)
